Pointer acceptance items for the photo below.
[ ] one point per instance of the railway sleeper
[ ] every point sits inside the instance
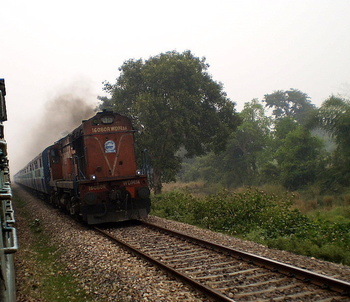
(212, 270)
(179, 257)
(248, 271)
(257, 284)
(303, 296)
(271, 290)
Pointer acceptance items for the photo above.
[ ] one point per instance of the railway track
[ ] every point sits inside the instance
(226, 274)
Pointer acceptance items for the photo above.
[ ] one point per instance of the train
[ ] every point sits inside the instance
(8, 234)
(92, 172)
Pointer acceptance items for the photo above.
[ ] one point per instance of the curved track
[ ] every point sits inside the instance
(226, 274)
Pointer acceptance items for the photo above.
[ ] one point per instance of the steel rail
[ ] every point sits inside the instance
(210, 292)
(322, 281)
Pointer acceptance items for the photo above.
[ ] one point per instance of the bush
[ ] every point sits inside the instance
(234, 213)
(264, 218)
(173, 205)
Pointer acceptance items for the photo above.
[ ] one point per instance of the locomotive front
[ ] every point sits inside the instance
(98, 177)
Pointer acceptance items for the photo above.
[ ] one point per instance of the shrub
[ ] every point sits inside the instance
(234, 213)
(173, 205)
(265, 218)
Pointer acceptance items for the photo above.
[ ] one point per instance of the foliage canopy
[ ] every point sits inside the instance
(282, 149)
(291, 103)
(178, 105)
(334, 117)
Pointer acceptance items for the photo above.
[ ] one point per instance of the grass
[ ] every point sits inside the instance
(44, 276)
(196, 188)
(56, 283)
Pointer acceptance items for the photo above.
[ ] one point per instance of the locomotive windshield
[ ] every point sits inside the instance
(107, 119)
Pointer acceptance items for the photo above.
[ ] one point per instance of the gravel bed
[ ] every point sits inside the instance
(322, 267)
(104, 270)
(110, 273)
(212, 267)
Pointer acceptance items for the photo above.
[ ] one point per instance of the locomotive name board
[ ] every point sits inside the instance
(108, 129)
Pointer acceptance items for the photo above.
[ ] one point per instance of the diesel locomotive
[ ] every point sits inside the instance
(92, 172)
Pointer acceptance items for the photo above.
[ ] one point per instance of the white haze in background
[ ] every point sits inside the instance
(253, 47)
(61, 114)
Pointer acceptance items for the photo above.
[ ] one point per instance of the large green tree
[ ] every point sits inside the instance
(176, 102)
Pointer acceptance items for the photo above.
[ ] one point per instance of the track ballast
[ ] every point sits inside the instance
(226, 274)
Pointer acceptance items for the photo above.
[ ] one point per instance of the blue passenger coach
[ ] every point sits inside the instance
(36, 174)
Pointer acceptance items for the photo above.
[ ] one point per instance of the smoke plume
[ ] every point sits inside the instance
(61, 115)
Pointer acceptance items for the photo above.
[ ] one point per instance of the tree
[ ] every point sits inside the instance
(291, 103)
(298, 158)
(239, 164)
(334, 117)
(241, 161)
(284, 126)
(176, 102)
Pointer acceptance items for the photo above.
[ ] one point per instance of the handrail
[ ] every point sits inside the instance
(12, 239)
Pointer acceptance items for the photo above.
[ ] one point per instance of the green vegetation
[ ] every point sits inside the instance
(45, 277)
(193, 134)
(56, 283)
(178, 106)
(299, 146)
(269, 219)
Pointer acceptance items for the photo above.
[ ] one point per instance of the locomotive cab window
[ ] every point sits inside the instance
(107, 119)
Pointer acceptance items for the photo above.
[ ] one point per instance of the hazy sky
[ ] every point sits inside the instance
(50, 48)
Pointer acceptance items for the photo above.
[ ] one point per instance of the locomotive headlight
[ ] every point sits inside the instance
(138, 172)
(92, 177)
